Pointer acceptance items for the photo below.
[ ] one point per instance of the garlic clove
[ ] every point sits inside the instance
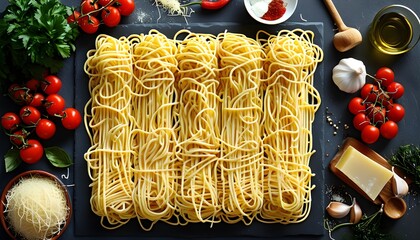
(399, 185)
(355, 212)
(338, 209)
(349, 75)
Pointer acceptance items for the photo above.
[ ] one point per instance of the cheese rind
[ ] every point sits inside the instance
(369, 175)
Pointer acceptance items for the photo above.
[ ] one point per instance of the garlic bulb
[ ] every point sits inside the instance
(349, 75)
(355, 212)
(338, 209)
(399, 185)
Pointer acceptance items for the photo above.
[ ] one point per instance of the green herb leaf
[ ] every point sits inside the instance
(58, 157)
(12, 159)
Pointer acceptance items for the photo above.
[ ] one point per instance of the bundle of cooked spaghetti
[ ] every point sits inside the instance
(290, 103)
(241, 147)
(198, 132)
(153, 139)
(107, 114)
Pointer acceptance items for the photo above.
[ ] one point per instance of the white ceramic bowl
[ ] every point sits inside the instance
(290, 9)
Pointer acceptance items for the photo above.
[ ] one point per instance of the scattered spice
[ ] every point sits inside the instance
(276, 9)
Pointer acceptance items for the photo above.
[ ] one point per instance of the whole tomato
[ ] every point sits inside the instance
(18, 137)
(356, 105)
(370, 134)
(111, 16)
(51, 84)
(385, 76)
(10, 121)
(125, 7)
(45, 129)
(360, 121)
(54, 104)
(395, 90)
(89, 24)
(395, 112)
(73, 18)
(31, 152)
(369, 92)
(71, 118)
(89, 7)
(389, 129)
(29, 115)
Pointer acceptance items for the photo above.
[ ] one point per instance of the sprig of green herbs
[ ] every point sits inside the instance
(407, 158)
(34, 37)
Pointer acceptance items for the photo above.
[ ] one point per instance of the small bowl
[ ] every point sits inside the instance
(28, 174)
(290, 9)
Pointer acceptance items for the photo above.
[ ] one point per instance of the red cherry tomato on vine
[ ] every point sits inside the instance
(45, 129)
(104, 2)
(360, 121)
(10, 121)
(389, 129)
(370, 134)
(71, 118)
(385, 76)
(376, 114)
(73, 18)
(356, 105)
(54, 104)
(89, 6)
(89, 24)
(395, 90)
(31, 152)
(369, 92)
(29, 115)
(111, 16)
(395, 112)
(37, 100)
(19, 94)
(18, 137)
(33, 84)
(51, 84)
(125, 7)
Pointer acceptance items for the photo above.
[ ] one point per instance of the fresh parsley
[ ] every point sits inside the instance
(34, 37)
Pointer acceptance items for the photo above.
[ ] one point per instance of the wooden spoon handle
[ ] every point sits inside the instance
(335, 15)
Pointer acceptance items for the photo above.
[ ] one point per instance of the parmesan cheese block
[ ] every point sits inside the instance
(369, 175)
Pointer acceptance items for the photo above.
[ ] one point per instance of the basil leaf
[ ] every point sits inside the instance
(12, 159)
(58, 157)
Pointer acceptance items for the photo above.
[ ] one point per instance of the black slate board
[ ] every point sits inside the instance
(87, 224)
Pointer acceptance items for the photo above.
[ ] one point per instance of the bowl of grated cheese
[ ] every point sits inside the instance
(271, 12)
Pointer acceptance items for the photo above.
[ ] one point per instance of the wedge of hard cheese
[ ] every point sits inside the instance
(364, 170)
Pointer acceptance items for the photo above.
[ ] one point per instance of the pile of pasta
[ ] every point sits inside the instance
(201, 127)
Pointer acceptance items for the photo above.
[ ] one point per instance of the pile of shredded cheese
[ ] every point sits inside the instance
(36, 208)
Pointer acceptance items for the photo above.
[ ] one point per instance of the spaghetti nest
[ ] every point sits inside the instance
(201, 128)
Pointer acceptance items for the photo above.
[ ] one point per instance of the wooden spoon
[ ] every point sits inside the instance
(395, 207)
(347, 37)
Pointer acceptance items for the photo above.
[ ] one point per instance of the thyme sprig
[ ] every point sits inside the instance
(407, 158)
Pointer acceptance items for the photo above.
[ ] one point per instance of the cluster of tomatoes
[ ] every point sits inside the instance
(94, 12)
(41, 104)
(376, 112)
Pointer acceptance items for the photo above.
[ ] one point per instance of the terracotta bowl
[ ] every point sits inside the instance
(15, 180)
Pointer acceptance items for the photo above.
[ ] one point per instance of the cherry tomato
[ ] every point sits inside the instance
(111, 16)
(395, 112)
(126, 7)
(104, 2)
(29, 115)
(33, 84)
(369, 92)
(89, 24)
(19, 94)
(360, 121)
(356, 105)
(395, 90)
(10, 121)
(31, 152)
(18, 137)
(51, 84)
(73, 18)
(89, 6)
(370, 134)
(37, 100)
(389, 129)
(45, 129)
(71, 118)
(385, 76)
(376, 114)
(54, 104)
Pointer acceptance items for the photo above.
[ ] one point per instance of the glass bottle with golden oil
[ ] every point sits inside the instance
(394, 30)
